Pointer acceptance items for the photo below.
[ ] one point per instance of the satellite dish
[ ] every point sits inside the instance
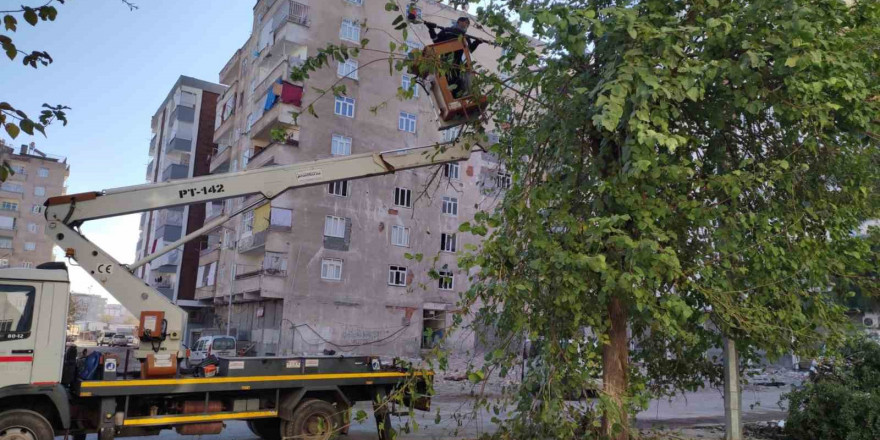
(868, 322)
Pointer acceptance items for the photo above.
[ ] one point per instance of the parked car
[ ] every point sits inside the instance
(133, 341)
(219, 346)
(119, 340)
(106, 338)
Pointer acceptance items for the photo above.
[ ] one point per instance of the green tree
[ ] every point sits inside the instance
(682, 171)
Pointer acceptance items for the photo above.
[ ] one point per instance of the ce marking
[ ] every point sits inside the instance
(105, 268)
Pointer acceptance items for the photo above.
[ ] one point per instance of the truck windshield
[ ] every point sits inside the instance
(224, 344)
(16, 311)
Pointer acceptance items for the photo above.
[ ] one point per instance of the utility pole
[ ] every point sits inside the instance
(232, 279)
(732, 395)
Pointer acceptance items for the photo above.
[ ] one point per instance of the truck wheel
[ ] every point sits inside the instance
(266, 429)
(22, 424)
(312, 419)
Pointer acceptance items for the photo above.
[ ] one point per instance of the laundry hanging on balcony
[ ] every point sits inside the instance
(287, 92)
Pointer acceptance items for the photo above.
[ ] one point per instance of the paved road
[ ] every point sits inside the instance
(705, 407)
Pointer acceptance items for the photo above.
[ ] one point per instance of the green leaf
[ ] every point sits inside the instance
(364, 42)
(792, 61)
(30, 16)
(464, 227)
(397, 20)
(391, 6)
(408, 256)
(10, 22)
(360, 416)
(27, 126)
(12, 129)
(693, 94)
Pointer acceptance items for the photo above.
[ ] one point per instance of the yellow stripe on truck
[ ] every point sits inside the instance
(168, 420)
(155, 382)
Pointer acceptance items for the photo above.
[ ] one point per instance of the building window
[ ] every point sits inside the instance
(348, 69)
(344, 106)
(43, 172)
(12, 187)
(331, 269)
(20, 170)
(334, 226)
(403, 197)
(450, 134)
(446, 280)
(247, 223)
(356, 2)
(452, 171)
(27, 264)
(503, 180)
(397, 276)
(413, 45)
(400, 236)
(339, 188)
(8, 206)
(33, 227)
(434, 327)
(408, 82)
(30, 246)
(280, 217)
(5, 243)
(4, 262)
(251, 118)
(350, 31)
(7, 223)
(340, 145)
(447, 242)
(39, 191)
(37, 209)
(275, 263)
(245, 158)
(207, 275)
(406, 122)
(450, 206)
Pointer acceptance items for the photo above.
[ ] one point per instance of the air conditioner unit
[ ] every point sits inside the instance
(871, 320)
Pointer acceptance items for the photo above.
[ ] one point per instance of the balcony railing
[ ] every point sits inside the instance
(9, 208)
(260, 283)
(291, 11)
(253, 242)
(175, 171)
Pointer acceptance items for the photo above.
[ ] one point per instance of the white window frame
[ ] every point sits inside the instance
(247, 223)
(4, 241)
(402, 197)
(350, 30)
(344, 106)
(8, 205)
(334, 264)
(334, 226)
(348, 69)
(30, 246)
(400, 235)
(356, 2)
(450, 206)
(448, 242)
(452, 171)
(397, 275)
(37, 209)
(39, 190)
(503, 180)
(446, 280)
(43, 172)
(407, 122)
(340, 145)
(339, 188)
(34, 228)
(408, 82)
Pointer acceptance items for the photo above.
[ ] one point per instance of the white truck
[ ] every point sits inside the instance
(43, 392)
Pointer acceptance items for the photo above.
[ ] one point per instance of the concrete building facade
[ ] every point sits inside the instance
(36, 177)
(345, 266)
(181, 146)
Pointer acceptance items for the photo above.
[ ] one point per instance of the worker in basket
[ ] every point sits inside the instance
(455, 76)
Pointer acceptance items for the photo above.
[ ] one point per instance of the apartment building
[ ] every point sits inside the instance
(333, 267)
(37, 175)
(180, 148)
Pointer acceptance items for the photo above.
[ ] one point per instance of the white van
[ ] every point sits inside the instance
(219, 345)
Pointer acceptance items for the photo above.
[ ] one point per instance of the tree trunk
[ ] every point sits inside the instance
(615, 358)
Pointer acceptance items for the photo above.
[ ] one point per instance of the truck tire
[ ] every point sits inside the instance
(266, 429)
(24, 424)
(313, 419)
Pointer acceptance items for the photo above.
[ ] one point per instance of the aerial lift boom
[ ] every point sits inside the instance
(163, 323)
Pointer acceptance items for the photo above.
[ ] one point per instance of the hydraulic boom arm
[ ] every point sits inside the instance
(65, 214)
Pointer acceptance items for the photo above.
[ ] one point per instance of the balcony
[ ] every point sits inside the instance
(10, 187)
(7, 231)
(290, 12)
(279, 116)
(206, 292)
(169, 233)
(213, 209)
(220, 160)
(281, 51)
(229, 72)
(7, 209)
(150, 170)
(153, 142)
(252, 243)
(175, 171)
(261, 283)
(167, 290)
(185, 99)
(164, 263)
(224, 127)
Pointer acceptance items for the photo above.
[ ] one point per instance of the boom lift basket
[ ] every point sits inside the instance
(454, 110)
